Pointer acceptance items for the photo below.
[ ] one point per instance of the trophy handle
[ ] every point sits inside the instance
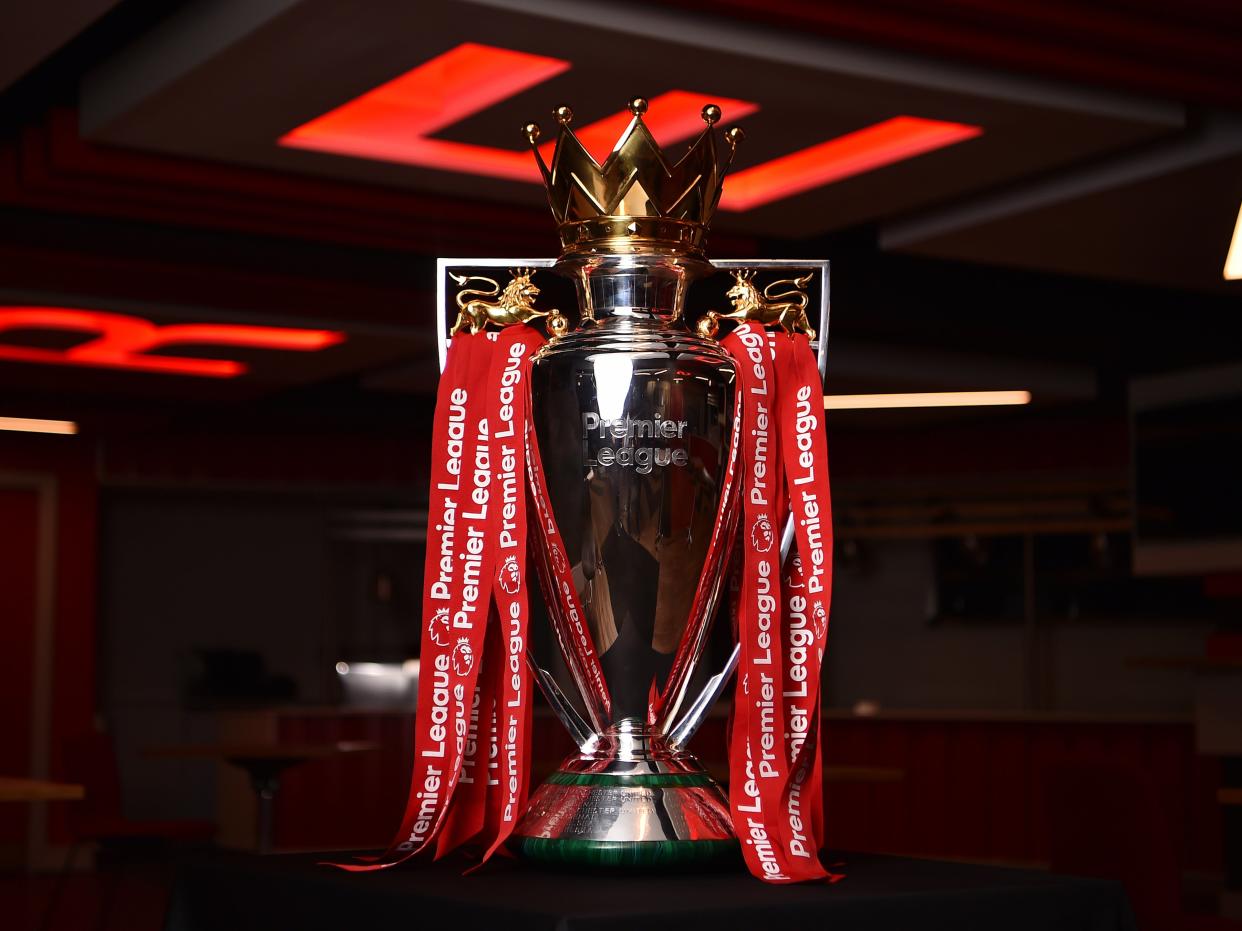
(762, 304)
(579, 730)
(684, 729)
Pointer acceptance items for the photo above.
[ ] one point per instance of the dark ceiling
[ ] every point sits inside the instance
(1080, 241)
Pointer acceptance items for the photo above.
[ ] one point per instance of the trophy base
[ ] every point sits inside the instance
(628, 803)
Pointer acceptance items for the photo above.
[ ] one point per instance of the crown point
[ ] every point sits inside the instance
(532, 132)
(735, 135)
(563, 115)
(638, 106)
(711, 113)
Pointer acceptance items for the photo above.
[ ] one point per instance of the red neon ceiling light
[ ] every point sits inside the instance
(123, 341)
(394, 123)
(671, 117)
(391, 123)
(866, 149)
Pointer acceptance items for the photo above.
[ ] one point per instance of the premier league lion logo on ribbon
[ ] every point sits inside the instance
(509, 576)
(761, 535)
(438, 627)
(463, 657)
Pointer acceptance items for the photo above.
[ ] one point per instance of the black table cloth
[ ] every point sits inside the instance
(240, 892)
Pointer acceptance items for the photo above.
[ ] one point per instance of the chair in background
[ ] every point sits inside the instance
(100, 819)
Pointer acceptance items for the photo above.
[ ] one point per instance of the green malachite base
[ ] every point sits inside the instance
(685, 795)
(637, 855)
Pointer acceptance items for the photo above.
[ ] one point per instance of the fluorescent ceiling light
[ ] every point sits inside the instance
(842, 402)
(30, 425)
(1233, 261)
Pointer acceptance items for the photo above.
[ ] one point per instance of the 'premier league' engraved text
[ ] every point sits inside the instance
(627, 430)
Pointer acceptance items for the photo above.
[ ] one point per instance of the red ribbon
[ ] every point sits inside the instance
(472, 732)
(781, 612)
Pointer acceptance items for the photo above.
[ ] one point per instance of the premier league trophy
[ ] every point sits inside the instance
(634, 417)
(642, 444)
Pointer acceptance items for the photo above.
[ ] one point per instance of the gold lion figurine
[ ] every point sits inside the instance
(788, 308)
(516, 304)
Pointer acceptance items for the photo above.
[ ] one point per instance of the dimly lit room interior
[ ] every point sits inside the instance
(229, 231)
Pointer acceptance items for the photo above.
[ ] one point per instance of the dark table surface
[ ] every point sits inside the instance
(234, 892)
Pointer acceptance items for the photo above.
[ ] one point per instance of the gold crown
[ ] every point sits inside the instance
(636, 202)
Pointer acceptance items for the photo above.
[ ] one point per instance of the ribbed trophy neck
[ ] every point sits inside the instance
(634, 288)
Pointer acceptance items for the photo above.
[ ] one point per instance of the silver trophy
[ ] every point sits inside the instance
(633, 417)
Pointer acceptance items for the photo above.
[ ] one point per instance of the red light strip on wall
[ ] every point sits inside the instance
(123, 341)
(394, 123)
